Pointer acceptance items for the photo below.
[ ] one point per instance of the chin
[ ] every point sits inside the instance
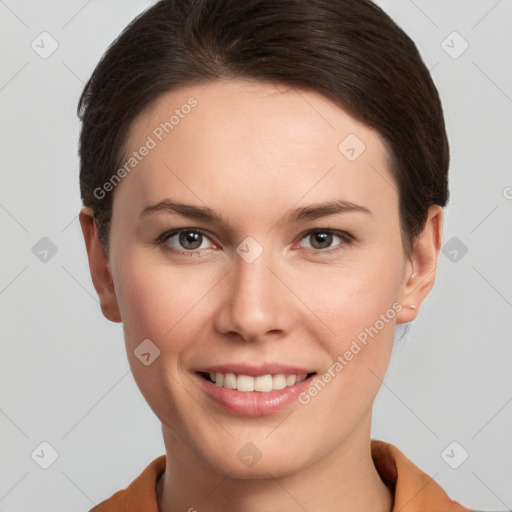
(255, 457)
(278, 466)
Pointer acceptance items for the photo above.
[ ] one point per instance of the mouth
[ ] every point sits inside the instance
(254, 391)
(261, 383)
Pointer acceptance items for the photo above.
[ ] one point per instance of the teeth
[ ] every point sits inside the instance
(291, 380)
(245, 383)
(230, 381)
(262, 383)
(278, 382)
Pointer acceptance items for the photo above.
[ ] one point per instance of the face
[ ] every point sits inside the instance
(282, 260)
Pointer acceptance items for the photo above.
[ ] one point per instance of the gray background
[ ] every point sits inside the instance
(64, 375)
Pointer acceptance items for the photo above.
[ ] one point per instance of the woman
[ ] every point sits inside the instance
(263, 184)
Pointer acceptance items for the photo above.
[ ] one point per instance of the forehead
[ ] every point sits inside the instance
(262, 142)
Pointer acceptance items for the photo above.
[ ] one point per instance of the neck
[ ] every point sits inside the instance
(346, 477)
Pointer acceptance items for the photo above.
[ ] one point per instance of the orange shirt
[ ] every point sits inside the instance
(413, 490)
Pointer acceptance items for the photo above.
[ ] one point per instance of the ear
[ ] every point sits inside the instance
(420, 272)
(99, 266)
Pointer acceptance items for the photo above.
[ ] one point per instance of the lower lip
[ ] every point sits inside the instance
(253, 403)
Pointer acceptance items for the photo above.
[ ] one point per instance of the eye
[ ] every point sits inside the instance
(188, 239)
(193, 241)
(322, 239)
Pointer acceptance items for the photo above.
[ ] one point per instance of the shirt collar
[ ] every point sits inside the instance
(411, 488)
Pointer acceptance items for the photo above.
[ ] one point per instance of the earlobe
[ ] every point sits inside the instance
(420, 273)
(99, 266)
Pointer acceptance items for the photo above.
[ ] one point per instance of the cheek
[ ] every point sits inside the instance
(157, 301)
(363, 320)
(344, 301)
(357, 305)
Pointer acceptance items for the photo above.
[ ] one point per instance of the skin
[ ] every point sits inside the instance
(252, 152)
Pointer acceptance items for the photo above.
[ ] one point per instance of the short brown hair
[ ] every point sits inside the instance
(348, 50)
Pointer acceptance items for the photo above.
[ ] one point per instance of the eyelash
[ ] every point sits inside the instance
(346, 238)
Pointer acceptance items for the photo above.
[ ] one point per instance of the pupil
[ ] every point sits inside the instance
(188, 238)
(324, 239)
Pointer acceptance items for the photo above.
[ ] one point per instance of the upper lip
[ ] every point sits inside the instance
(255, 370)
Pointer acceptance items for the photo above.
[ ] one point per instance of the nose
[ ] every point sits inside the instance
(256, 303)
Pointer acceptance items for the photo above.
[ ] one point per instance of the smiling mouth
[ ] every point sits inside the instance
(261, 383)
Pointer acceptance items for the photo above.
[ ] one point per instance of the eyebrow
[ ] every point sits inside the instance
(310, 212)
